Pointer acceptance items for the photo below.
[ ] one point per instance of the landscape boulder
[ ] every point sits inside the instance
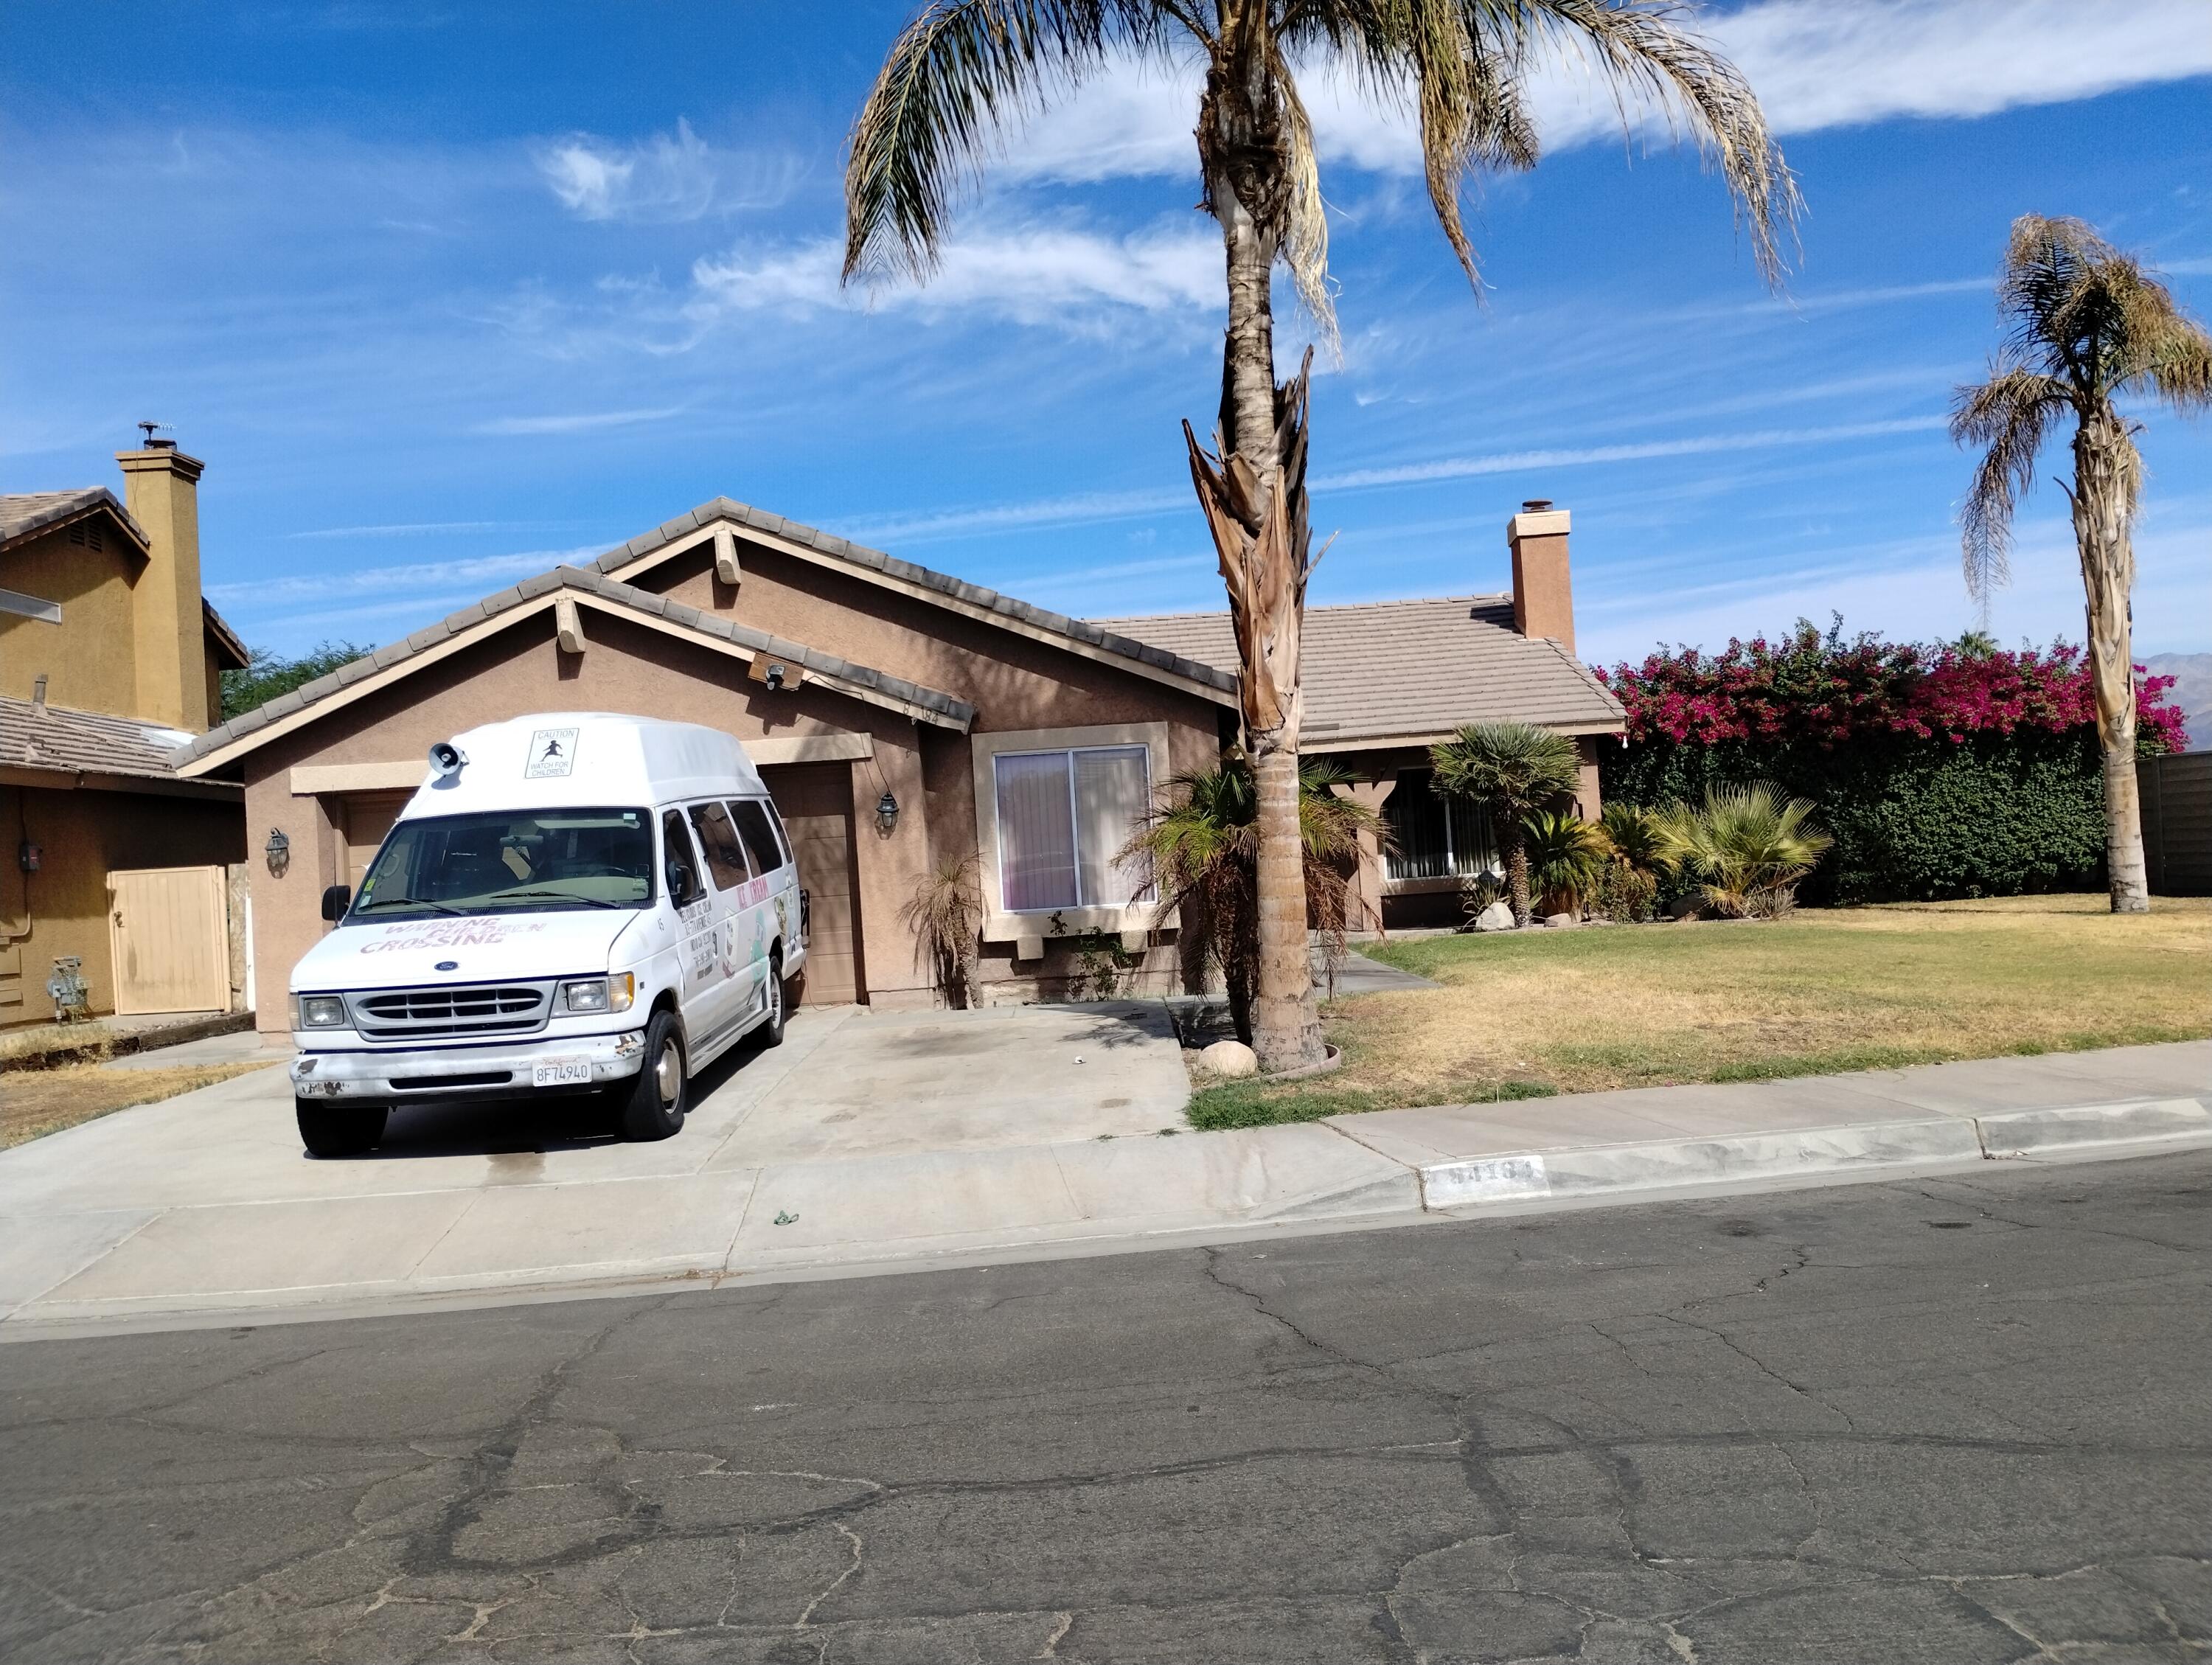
(1683, 907)
(1231, 1060)
(1560, 921)
(1498, 916)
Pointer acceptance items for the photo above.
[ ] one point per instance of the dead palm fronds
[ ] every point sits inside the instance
(964, 73)
(2089, 326)
(945, 913)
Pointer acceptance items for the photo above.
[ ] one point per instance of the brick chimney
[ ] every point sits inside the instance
(161, 488)
(1543, 594)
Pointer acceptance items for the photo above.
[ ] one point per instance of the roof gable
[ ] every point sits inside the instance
(313, 701)
(27, 515)
(1079, 637)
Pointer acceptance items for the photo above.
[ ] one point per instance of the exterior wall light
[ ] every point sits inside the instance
(887, 812)
(278, 849)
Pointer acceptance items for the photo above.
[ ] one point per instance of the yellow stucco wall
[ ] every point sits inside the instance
(90, 659)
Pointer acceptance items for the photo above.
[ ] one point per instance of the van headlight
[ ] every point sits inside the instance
(318, 1011)
(587, 994)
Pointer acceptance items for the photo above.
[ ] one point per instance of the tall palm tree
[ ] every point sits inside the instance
(1513, 770)
(964, 70)
(2089, 327)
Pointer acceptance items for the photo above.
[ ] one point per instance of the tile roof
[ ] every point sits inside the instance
(589, 580)
(1387, 669)
(1146, 651)
(26, 514)
(85, 742)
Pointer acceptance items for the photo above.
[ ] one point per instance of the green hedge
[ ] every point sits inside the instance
(1913, 819)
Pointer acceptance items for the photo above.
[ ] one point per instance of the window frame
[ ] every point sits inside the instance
(705, 851)
(1003, 924)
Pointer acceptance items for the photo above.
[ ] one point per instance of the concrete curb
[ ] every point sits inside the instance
(1677, 1164)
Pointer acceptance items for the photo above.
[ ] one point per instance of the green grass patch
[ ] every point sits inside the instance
(1252, 1104)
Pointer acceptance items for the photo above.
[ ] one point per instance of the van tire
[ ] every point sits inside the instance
(769, 1032)
(339, 1130)
(660, 1092)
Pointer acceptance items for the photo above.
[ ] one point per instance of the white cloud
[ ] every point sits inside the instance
(1815, 65)
(1083, 509)
(1030, 276)
(405, 584)
(589, 421)
(398, 529)
(663, 178)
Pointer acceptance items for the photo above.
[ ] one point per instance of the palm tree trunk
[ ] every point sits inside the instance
(2103, 468)
(1516, 877)
(1256, 504)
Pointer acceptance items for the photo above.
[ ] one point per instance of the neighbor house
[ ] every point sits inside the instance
(903, 720)
(117, 869)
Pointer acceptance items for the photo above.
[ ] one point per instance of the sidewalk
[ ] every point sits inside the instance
(779, 1175)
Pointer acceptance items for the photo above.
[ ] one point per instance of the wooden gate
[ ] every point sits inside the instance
(168, 936)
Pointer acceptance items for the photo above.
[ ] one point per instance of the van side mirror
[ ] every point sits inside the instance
(681, 887)
(336, 900)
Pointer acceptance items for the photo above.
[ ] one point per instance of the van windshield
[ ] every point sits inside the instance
(510, 861)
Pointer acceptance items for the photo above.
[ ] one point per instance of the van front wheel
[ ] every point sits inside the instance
(338, 1130)
(660, 1092)
(769, 1032)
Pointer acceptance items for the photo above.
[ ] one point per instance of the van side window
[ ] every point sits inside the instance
(717, 838)
(679, 862)
(760, 838)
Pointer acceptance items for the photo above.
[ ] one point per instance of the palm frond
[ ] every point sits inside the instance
(958, 75)
(2009, 416)
(1642, 50)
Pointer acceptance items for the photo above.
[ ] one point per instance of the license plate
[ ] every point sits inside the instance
(562, 1073)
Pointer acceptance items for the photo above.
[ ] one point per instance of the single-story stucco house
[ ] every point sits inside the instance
(903, 719)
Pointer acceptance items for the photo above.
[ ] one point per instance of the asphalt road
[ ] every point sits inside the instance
(1947, 1421)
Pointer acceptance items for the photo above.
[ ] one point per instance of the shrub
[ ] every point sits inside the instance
(1750, 845)
(1478, 894)
(1951, 771)
(1621, 892)
(1564, 854)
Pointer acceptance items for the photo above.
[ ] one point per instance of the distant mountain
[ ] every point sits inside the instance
(2191, 691)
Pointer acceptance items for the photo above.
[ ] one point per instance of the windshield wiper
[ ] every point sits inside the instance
(408, 902)
(558, 895)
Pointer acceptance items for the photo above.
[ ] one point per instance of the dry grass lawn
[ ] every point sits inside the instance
(35, 1101)
(1529, 1013)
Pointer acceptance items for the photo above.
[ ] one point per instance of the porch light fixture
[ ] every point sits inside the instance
(887, 811)
(278, 849)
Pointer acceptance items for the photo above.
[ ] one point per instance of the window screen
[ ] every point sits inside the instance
(760, 838)
(725, 856)
(684, 884)
(1063, 816)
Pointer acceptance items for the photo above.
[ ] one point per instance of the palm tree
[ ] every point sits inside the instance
(2089, 326)
(1565, 854)
(1512, 769)
(1750, 844)
(964, 70)
(1201, 845)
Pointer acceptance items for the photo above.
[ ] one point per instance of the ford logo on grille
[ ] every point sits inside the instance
(449, 965)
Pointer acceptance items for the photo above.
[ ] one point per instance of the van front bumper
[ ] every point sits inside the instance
(492, 1072)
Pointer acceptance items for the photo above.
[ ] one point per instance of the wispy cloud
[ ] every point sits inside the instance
(407, 582)
(1511, 462)
(668, 177)
(1815, 65)
(1083, 509)
(1029, 275)
(586, 422)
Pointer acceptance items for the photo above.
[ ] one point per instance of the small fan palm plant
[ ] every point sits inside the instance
(1565, 854)
(1637, 835)
(963, 73)
(1512, 769)
(1200, 844)
(1750, 845)
(945, 913)
(2089, 327)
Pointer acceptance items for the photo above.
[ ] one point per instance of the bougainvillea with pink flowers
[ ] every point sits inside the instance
(1952, 770)
(1818, 686)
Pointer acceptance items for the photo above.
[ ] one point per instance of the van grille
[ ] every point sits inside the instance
(421, 1013)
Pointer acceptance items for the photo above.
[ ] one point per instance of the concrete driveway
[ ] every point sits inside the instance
(860, 1127)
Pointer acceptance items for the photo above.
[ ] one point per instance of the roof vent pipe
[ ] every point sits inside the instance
(39, 695)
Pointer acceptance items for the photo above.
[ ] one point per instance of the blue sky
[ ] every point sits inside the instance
(444, 294)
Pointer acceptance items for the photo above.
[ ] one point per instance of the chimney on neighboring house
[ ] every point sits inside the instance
(161, 488)
(1543, 594)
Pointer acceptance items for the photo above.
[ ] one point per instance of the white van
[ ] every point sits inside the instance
(572, 903)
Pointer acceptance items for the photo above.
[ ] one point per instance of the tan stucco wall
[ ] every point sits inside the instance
(90, 659)
(85, 836)
(628, 667)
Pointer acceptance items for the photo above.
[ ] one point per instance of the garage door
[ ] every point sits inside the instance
(816, 802)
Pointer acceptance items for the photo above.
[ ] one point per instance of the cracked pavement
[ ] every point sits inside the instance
(1948, 1420)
